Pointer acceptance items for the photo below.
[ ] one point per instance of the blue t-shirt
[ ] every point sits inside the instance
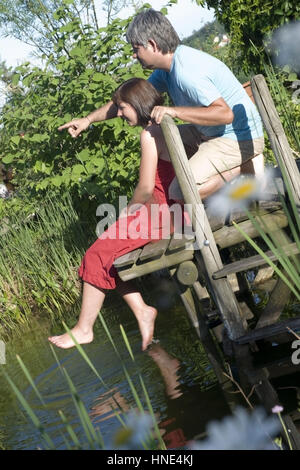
(198, 79)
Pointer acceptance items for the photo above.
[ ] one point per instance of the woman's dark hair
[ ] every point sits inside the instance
(141, 95)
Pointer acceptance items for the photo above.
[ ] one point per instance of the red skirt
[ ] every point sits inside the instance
(151, 223)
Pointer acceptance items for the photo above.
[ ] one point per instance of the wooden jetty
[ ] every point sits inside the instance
(195, 263)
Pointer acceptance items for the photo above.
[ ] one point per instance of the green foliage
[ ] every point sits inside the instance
(40, 252)
(249, 22)
(104, 160)
(280, 83)
(204, 39)
(35, 21)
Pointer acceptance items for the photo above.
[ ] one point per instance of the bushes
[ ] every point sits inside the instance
(76, 80)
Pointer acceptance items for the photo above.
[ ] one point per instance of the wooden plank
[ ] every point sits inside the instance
(262, 208)
(271, 330)
(165, 261)
(220, 289)
(229, 236)
(249, 377)
(199, 322)
(278, 299)
(180, 241)
(263, 275)
(154, 249)
(128, 259)
(275, 131)
(237, 216)
(280, 294)
(253, 261)
(273, 355)
(293, 432)
(215, 221)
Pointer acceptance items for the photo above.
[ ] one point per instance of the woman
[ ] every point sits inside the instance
(135, 100)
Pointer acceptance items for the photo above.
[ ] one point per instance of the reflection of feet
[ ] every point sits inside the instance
(146, 324)
(65, 341)
(168, 366)
(163, 359)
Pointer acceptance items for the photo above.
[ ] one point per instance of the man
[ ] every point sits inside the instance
(224, 131)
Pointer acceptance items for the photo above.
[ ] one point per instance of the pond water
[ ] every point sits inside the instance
(180, 382)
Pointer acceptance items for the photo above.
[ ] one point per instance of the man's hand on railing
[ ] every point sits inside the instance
(158, 113)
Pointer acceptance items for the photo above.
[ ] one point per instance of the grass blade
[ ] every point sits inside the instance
(260, 251)
(30, 413)
(29, 378)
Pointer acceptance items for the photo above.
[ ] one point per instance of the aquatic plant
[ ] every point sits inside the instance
(138, 427)
(39, 256)
(277, 410)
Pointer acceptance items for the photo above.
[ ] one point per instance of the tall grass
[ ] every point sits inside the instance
(288, 110)
(89, 436)
(39, 257)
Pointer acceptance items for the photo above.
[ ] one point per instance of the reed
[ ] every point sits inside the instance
(39, 257)
(89, 436)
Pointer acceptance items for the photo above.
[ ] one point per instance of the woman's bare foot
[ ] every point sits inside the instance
(65, 341)
(146, 320)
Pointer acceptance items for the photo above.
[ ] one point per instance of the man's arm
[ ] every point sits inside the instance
(76, 126)
(216, 114)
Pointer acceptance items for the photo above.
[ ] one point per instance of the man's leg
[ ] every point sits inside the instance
(255, 166)
(217, 161)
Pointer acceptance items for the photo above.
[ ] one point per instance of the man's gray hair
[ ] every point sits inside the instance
(152, 24)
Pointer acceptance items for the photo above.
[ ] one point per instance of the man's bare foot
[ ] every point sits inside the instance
(65, 341)
(146, 322)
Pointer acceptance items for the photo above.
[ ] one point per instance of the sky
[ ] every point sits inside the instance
(185, 16)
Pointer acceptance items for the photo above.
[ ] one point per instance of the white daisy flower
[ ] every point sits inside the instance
(241, 431)
(138, 429)
(239, 193)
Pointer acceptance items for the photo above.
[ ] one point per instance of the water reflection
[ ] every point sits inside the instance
(169, 372)
(188, 408)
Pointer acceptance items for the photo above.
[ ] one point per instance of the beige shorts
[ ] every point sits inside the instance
(209, 156)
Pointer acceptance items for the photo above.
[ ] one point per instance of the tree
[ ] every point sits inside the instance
(36, 22)
(249, 23)
(204, 39)
(105, 159)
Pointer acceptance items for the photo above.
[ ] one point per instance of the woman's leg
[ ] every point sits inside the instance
(145, 314)
(92, 300)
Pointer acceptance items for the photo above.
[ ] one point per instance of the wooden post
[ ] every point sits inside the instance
(275, 131)
(220, 289)
(198, 321)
